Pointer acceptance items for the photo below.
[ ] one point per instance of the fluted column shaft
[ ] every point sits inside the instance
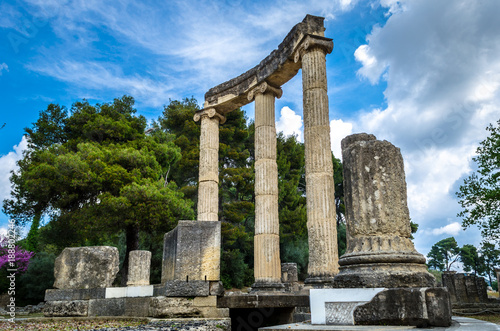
(320, 190)
(267, 264)
(208, 186)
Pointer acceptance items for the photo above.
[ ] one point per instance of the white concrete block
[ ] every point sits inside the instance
(116, 292)
(352, 297)
(140, 291)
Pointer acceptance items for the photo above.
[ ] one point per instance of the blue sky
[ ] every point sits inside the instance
(423, 74)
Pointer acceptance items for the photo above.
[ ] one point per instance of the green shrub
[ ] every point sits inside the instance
(31, 286)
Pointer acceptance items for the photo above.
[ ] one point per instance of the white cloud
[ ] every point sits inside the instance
(3, 232)
(3, 66)
(371, 68)
(105, 76)
(440, 62)
(338, 131)
(290, 123)
(451, 229)
(7, 164)
(203, 43)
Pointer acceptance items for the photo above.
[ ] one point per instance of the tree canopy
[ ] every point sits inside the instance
(480, 193)
(443, 254)
(96, 171)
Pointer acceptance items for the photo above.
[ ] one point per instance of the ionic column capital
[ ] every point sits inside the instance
(263, 88)
(210, 113)
(310, 42)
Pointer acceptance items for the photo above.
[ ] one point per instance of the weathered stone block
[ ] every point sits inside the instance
(192, 252)
(289, 273)
(421, 307)
(464, 288)
(166, 307)
(179, 288)
(216, 288)
(107, 307)
(77, 308)
(137, 306)
(86, 267)
(138, 268)
(74, 294)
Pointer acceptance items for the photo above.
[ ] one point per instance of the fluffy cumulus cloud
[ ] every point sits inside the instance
(290, 123)
(7, 164)
(338, 131)
(202, 43)
(451, 229)
(440, 61)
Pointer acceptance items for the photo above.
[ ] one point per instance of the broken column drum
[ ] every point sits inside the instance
(267, 269)
(379, 250)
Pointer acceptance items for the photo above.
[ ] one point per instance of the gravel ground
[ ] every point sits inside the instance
(118, 325)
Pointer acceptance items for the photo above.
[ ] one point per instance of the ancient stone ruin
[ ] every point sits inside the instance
(305, 47)
(465, 288)
(379, 250)
(382, 279)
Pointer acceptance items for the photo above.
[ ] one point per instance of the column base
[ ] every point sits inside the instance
(267, 287)
(319, 281)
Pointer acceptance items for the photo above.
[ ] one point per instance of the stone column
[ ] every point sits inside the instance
(379, 250)
(320, 190)
(138, 268)
(497, 272)
(208, 187)
(267, 263)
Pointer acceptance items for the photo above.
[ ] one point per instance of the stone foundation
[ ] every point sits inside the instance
(119, 302)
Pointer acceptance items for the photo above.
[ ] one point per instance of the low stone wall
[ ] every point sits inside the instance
(465, 288)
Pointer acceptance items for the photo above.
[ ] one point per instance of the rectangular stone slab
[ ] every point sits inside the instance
(74, 294)
(177, 288)
(192, 252)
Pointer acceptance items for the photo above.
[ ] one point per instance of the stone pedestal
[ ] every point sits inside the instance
(138, 268)
(191, 252)
(208, 189)
(379, 250)
(267, 264)
(321, 217)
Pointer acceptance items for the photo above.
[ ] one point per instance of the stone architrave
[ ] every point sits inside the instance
(379, 250)
(86, 267)
(321, 216)
(208, 189)
(267, 263)
(139, 268)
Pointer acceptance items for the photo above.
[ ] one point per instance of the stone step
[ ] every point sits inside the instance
(301, 317)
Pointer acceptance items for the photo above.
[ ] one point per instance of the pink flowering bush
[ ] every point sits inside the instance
(13, 256)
